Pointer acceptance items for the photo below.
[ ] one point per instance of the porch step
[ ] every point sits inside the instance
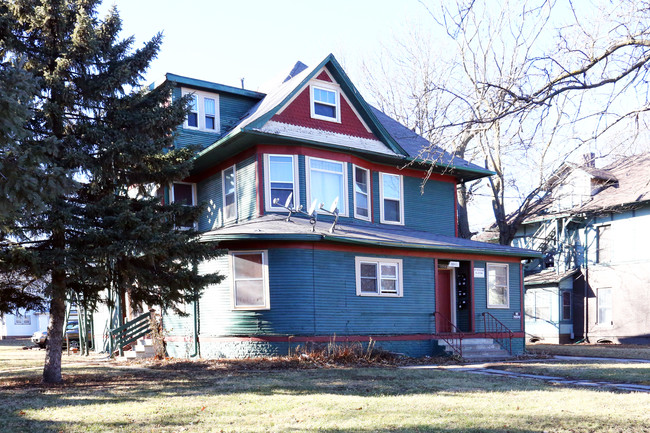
(480, 350)
(143, 349)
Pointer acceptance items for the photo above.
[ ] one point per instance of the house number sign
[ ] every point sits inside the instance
(479, 272)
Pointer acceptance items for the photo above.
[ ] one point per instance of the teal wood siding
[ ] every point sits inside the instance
(432, 211)
(209, 192)
(505, 315)
(246, 189)
(188, 137)
(341, 311)
(232, 108)
(313, 292)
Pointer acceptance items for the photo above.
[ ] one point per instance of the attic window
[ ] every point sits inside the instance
(204, 111)
(325, 104)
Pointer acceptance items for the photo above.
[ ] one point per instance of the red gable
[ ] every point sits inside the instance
(298, 113)
(324, 77)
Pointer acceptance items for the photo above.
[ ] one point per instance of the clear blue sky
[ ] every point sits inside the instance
(224, 41)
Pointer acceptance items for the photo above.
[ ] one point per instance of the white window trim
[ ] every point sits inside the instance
(599, 320)
(201, 113)
(171, 192)
(330, 88)
(354, 192)
(401, 201)
(343, 199)
(265, 280)
(223, 193)
(378, 261)
(267, 183)
(194, 200)
(487, 285)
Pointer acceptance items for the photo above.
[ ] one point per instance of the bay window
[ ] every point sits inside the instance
(229, 181)
(391, 192)
(361, 193)
(281, 180)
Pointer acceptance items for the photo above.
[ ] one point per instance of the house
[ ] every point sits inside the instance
(593, 282)
(328, 232)
(22, 324)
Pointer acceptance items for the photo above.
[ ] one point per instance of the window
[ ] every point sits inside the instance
(497, 286)
(325, 103)
(566, 305)
(604, 300)
(250, 280)
(538, 305)
(210, 113)
(204, 111)
(327, 183)
(281, 175)
(361, 193)
(185, 194)
(378, 277)
(22, 319)
(604, 243)
(193, 115)
(229, 194)
(391, 192)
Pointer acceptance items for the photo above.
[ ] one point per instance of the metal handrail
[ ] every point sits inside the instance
(494, 328)
(447, 336)
(131, 331)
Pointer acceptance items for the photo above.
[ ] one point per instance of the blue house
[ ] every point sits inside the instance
(592, 283)
(318, 201)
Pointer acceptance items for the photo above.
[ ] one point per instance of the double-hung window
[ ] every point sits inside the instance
(210, 113)
(204, 111)
(566, 305)
(391, 192)
(193, 115)
(327, 183)
(497, 285)
(229, 180)
(604, 300)
(281, 174)
(325, 103)
(250, 280)
(378, 276)
(183, 193)
(361, 193)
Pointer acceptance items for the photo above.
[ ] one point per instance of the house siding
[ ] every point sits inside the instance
(247, 189)
(209, 193)
(504, 315)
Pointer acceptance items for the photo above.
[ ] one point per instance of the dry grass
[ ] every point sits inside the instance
(626, 351)
(271, 396)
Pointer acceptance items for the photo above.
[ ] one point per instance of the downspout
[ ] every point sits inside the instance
(197, 349)
(586, 284)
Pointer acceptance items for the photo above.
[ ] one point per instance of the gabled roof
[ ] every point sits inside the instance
(548, 276)
(632, 186)
(274, 227)
(395, 141)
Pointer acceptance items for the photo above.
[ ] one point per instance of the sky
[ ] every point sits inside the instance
(225, 41)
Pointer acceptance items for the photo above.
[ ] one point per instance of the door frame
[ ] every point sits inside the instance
(452, 293)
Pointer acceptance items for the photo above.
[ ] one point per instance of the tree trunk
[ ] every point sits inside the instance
(53, 351)
(463, 219)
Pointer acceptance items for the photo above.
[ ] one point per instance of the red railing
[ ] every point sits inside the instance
(495, 329)
(453, 337)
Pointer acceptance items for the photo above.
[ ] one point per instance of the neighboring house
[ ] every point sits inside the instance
(23, 323)
(380, 261)
(594, 230)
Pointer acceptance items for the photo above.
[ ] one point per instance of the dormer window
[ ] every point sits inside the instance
(325, 103)
(204, 111)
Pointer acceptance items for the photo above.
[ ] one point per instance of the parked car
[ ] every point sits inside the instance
(39, 338)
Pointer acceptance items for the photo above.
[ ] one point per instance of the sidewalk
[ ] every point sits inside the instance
(485, 370)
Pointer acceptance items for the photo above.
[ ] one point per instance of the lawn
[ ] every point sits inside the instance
(600, 371)
(236, 397)
(627, 351)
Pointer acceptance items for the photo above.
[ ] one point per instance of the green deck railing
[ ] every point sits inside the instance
(130, 332)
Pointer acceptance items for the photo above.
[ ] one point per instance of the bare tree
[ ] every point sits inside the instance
(519, 89)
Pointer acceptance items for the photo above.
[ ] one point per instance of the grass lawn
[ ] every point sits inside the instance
(222, 397)
(618, 372)
(628, 351)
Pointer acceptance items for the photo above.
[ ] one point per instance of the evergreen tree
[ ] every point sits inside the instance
(108, 144)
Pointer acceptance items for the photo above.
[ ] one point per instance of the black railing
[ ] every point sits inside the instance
(453, 337)
(496, 330)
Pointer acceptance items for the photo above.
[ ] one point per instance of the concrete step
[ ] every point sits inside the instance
(142, 349)
(479, 349)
